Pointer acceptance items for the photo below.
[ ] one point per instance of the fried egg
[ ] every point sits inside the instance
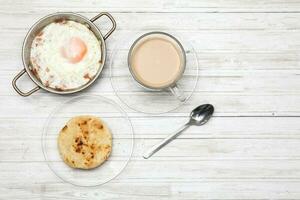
(65, 55)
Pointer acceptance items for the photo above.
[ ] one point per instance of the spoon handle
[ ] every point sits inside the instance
(165, 141)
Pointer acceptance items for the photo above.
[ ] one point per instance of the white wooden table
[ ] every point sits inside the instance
(249, 54)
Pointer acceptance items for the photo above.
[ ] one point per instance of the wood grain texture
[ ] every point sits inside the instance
(248, 53)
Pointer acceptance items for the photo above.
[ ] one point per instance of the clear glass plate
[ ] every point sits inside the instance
(120, 127)
(139, 98)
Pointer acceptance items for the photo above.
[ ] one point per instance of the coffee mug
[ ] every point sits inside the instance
(157, 60)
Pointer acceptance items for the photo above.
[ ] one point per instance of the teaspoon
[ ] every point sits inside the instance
(198, 117)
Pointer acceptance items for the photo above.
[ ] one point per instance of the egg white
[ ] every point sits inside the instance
(52, 68)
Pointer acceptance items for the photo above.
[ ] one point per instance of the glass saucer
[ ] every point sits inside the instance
(139, 98)
(119, 125)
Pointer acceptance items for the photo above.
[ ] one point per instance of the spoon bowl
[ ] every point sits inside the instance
(201, 114)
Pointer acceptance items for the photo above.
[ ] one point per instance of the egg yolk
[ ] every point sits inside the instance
(74, 50)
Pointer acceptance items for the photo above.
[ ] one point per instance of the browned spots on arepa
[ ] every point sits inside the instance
(78, 145)
(64, 128)
(78, 150)
(88, 162)
(105, 157)
(92, 146)
(67, 160)
(98, 125)
(83, 122)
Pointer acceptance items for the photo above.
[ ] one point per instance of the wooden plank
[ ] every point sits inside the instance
(151, 191)
(29, 149)
(177, 171)
(44, 185)
(154, 6)
(184, 21)
(226, 104)
(158, 127)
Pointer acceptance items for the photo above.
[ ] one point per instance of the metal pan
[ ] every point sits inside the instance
(38, 26)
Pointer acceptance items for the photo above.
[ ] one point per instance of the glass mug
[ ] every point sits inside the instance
(166, 51)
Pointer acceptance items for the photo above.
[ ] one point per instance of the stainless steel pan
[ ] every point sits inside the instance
(36, 28)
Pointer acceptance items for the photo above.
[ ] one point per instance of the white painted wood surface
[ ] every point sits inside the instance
(249, 55)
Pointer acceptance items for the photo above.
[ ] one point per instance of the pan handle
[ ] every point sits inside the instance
(14, 84)
(114, 24)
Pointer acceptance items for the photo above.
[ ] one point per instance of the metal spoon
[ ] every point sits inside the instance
(198, 117)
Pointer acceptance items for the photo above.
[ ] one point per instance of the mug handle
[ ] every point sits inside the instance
(177, 92)
(114, 24)
(14, 84)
